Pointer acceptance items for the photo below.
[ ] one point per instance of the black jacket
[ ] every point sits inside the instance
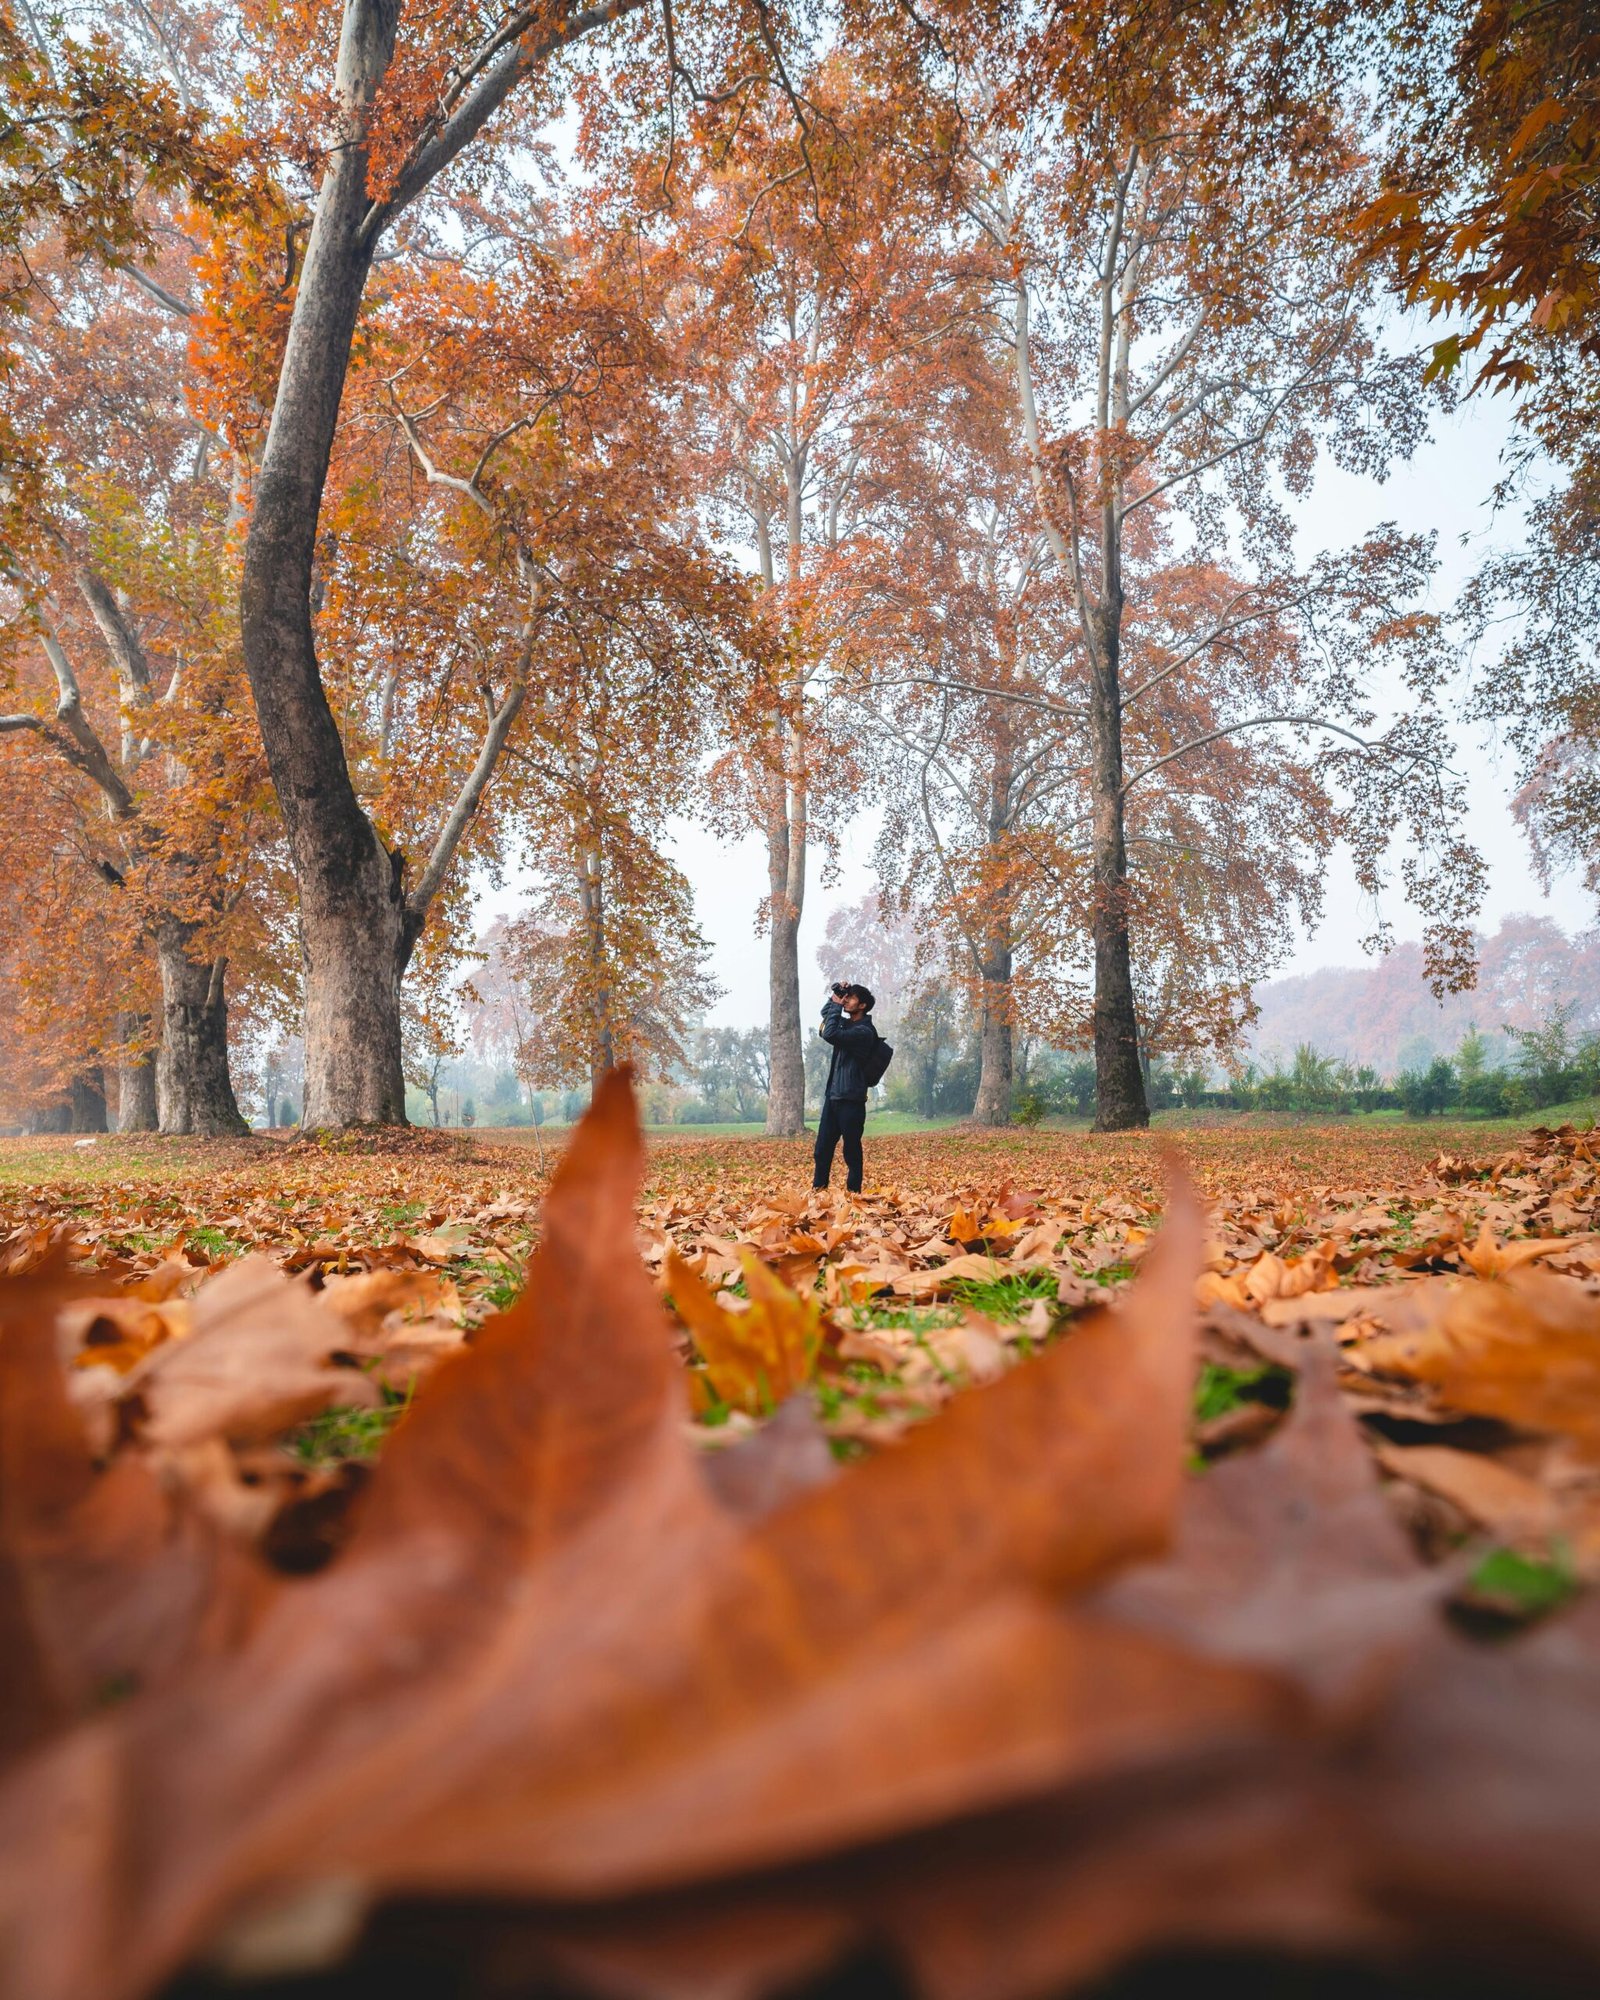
(850, 1040)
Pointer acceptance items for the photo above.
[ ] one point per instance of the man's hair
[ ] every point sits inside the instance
(864, 995)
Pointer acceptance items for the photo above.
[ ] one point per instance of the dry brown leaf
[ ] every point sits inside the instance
(1505, 1501)
(1330, 1307)
(1524, 1348)
(929, 1283)
(757, 1358)
(755, 1475)
(1288, 1556)
(1491, 1259)
(541, 1576)
(254, 1362)
(365, 1300)
(109, 1583)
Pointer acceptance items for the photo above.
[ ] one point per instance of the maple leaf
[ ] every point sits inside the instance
(539, 1544)
(757, 1358)
(1524, 1348)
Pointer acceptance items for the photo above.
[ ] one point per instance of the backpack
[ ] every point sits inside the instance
(876, 1060)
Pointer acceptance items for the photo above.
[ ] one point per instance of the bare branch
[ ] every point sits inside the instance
(1250, 722)
(127, 651)
(168, 301)
(468, 488)
(468, 799)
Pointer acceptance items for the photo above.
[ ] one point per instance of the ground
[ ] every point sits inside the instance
(1077, 1544)
(966, 1251)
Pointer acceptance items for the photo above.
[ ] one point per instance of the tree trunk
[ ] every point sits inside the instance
(786, 880)
(592, 910)
(136, 1080)
(353, 929)
(1120, 1101)
(53, 1117)
(193, 1089)
(355, 945)
(993, 1106)
(89, 1100)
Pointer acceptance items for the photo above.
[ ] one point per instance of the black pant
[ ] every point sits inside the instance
(842, 1118)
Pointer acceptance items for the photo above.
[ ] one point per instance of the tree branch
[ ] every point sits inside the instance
(468, 799)
(502, 60)
(1251, 722)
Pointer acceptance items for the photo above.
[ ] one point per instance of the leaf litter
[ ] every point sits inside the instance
(1006, 1580)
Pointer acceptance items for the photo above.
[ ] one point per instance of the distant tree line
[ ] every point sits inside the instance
(1546, 1065)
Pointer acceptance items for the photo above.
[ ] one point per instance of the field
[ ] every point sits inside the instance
(391, 1488)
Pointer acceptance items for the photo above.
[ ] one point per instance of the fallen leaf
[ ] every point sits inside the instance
(757, 1358)
(1506, 1502)
(540, 1575)
(1524, 1348)
(254, 1362)
(1491, 1259)
(1287, 1556)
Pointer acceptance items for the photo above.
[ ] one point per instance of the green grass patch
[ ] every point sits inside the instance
(345, 1433)
(1006, 1296)
(1221, 1390)
(908, 1319)
(505, 1281)
(216, 1243)
(1522, 1586)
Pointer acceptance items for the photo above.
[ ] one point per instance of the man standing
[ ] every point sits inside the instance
(848, 1029)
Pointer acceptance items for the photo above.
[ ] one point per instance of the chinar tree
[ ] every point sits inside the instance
(1186, 333)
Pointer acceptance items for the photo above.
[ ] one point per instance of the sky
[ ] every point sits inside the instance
(1445, 487)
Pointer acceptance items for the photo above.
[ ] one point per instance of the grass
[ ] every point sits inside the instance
(1377, 1144)
(216, 1243)
(909, 1319)
(505, 1281)
(1221, 1390)
(1522, 1586)
(1007, 1296)
(339, 1435)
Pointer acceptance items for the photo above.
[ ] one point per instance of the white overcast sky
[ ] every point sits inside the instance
(1445, 488)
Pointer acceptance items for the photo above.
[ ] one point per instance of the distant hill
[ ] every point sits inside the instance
(1383, 1014)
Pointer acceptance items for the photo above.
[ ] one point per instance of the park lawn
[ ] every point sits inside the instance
(140, 1195)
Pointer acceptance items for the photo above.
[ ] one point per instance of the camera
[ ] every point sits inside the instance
(837, 989)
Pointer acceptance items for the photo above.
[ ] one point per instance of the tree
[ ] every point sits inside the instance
(1487, 216)
(1184, 333)
(1425, 1091)
(117, 563)
(405, 107)
(807, 279)
(875, 945)
(610, 963)
(114, 575)
(1487, 212)
(980, 682)
(974, 769)
(734, 1062)
(402, 111)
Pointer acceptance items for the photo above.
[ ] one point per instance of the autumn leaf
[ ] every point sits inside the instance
(886, 1624)
(1524, 1348)
(757, 1358)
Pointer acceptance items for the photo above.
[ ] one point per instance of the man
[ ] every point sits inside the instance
(848, 1029)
